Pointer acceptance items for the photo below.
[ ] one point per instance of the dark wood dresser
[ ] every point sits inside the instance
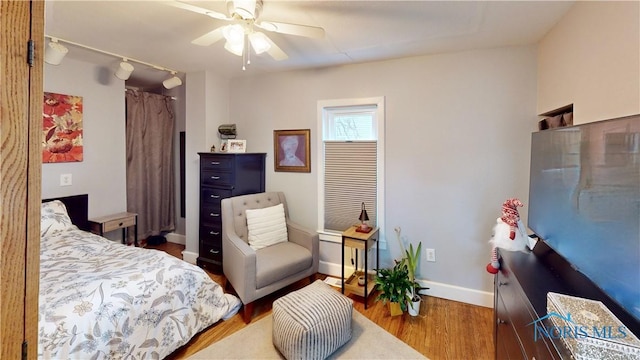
(521, 288)
(224, 175)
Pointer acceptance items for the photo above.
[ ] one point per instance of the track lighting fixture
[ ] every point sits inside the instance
(54, 52)
(172, 82)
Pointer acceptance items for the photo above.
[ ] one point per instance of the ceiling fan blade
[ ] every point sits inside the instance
(292, 29)
(197, 9)
(275, 52)
(209, 38)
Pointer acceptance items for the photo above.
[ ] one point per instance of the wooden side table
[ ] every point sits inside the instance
(124, 221)
(360, 241)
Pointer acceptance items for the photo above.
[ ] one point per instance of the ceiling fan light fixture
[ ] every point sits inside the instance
(259, 42)
(236, 48)
(233, 33)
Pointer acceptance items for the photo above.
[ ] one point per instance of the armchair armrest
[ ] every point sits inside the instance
(239, 265)
(305, 238)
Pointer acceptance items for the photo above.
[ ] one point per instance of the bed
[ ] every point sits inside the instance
(103, 300)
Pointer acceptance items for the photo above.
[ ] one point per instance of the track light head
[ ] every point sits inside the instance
(172, 82)
(124, 70)
(54, 52)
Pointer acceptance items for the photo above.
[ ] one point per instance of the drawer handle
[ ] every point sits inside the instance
(215, 177)
(214, 232)
(214, 214)
(500, 321)
(215, 196)
(120, 224)
(214, 251)
(215, 163)
(501, 283)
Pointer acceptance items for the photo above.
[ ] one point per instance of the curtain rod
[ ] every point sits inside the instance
(157, 67)
(137, 89)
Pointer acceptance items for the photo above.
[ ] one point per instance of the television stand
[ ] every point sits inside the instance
(520, 298)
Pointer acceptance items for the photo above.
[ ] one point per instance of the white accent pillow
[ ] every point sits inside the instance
(54, 218)
(267, 226)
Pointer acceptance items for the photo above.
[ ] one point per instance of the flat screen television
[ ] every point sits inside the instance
(584, 202)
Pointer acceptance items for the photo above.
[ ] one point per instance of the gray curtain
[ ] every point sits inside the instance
(150, 170)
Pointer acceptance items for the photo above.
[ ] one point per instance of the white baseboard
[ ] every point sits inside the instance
(445, 291)
(190, 257)
(457, 293)
(332, 269)
(176, 238)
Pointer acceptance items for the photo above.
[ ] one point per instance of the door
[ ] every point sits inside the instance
(21, 92)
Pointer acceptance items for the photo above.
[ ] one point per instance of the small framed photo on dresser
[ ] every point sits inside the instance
(236, 146)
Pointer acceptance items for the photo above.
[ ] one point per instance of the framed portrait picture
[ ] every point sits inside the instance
(292, 150)
(236, 146)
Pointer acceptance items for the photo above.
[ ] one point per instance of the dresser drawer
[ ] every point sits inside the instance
(508, 345)
(210, 215)
(211, 234)
(216, 163)
(213, 196)
(211, 252)
(522, 318)
(214, 178)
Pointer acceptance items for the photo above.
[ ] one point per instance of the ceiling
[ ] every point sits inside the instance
(355, 32)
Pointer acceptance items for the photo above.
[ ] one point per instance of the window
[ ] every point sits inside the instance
(350, 159)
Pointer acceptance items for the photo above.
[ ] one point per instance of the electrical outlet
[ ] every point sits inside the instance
(65, 180)
(431, 255)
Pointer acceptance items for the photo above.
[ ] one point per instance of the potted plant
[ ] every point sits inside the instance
(395, 287)
(411, 259)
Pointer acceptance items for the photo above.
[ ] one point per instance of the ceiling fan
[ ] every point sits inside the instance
(243, 30)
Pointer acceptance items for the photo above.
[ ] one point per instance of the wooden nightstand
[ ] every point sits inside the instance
(124, 221)
(360, 241)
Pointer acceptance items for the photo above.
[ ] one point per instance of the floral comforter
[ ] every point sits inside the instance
(103, 300)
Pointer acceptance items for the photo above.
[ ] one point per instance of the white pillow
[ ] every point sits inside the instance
(267, 226)
(54, 218)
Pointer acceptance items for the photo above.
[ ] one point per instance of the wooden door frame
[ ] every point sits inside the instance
(21, 93)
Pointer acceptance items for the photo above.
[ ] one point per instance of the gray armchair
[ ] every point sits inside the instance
(255, 274)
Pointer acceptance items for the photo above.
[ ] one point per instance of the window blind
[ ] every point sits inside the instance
(350, 179)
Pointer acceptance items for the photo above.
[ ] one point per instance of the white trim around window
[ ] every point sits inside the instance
(323, 105)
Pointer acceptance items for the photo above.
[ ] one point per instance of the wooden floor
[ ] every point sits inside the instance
(444, 329)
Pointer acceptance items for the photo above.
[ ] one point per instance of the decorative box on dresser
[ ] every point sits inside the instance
(520, 300)
(224, 175)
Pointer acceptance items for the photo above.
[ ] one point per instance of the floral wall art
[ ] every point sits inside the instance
(61, 128)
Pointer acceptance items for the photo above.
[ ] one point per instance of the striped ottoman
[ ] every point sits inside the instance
(311, 323)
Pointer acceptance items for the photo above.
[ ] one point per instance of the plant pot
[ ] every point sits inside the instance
(413, 307)
(395, 309)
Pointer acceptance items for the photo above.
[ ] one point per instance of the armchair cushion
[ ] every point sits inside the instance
(280, 261)
(266, 226)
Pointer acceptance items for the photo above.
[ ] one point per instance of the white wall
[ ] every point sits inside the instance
(102, 173)
(457, 145)
(591, 58)
(207, 99)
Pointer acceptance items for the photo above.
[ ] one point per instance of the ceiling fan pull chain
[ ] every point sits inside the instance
(245, 53)
(248, 50)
